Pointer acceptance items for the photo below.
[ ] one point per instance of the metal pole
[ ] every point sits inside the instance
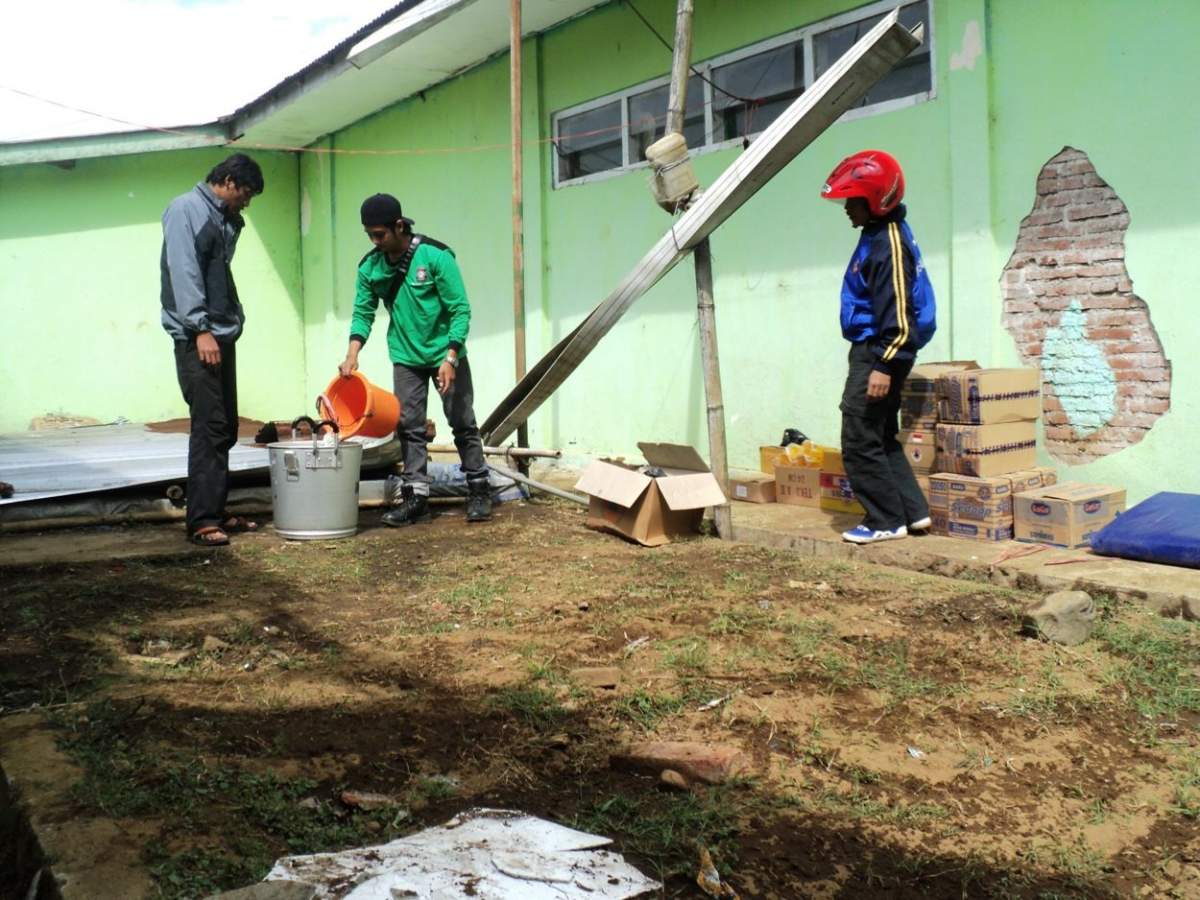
(549, 489)
(702, 257)
(515, 452)
(518, 212)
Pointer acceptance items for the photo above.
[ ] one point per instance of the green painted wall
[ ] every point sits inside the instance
(461, 198)
(79, 279)
(778, 262)
(1015, 81)
(1107, 77)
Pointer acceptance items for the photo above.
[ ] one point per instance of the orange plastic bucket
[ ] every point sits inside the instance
(359, 407)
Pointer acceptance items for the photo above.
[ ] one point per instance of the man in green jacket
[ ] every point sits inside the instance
(419, 282)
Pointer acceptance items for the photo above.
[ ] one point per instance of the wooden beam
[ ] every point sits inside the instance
(842, 85)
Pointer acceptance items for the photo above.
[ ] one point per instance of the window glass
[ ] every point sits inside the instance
(745, 96)
(910, 76)
(770, 81)
(648, 118)
(589, 142)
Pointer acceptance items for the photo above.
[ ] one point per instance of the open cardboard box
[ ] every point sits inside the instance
(625, 501)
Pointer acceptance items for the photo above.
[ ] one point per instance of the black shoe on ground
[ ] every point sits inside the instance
(479, 501)
(413, 508)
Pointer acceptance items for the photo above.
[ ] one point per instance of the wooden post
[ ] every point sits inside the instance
(702, 257)
(714, 401)
(680, 62)
(518, 212)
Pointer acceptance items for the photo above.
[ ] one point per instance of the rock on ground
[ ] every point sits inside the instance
(1065, 617)
(710, 763)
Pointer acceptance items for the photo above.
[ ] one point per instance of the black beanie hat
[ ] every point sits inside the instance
(382, 209)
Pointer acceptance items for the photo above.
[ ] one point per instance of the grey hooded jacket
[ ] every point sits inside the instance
(198, 293)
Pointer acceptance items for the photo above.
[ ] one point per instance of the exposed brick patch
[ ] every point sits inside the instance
(1070, 307)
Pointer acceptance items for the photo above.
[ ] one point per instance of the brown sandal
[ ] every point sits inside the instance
(239, 525)
(209, 536)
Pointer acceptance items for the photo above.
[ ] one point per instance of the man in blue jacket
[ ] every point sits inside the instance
(202, 313)
(888, 313)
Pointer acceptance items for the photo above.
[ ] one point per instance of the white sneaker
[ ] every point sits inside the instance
(921, 524)
(861, 534)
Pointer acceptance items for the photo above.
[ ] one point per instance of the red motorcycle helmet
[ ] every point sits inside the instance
(871, 174)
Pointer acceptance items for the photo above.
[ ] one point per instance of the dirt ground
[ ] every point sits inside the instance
(906, 741)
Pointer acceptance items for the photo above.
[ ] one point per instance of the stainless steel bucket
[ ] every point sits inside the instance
(314, 485)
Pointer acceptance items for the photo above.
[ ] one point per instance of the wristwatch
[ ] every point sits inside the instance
(453, 360)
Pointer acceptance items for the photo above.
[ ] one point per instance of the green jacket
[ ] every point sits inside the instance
(430, 315)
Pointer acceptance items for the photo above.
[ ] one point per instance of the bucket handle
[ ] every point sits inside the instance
(325, 407)
(333, 426)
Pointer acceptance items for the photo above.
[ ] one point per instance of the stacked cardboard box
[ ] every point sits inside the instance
(986, 450)
(797, 471)
(987, 421)
(918, 416)
(981, 508)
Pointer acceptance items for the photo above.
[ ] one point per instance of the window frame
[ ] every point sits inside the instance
(803, 35)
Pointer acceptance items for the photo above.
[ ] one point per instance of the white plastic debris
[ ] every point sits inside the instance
(915, 753)
(493, 853)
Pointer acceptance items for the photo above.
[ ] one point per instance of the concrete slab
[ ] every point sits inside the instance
(1172, 590)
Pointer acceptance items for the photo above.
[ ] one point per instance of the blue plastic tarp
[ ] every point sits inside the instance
(1163, 529)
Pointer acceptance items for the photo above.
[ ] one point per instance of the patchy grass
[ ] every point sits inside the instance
(432, 666)
(668, 829)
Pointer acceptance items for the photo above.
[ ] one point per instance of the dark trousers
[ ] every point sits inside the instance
(412, 390)
(211, 395)
(882, 479)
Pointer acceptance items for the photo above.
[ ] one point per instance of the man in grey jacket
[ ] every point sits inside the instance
(201, 312)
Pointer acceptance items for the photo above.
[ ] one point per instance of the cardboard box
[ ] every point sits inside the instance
(920, 447)
(769, 457)
(989, 396)
(918, 400)
(627, 502)
(1066, 515)
(964, 498)
(798, 485)
(922, 379)
(752, 487)
(975, 531)
(806, 454)
(983, 450)
(917, 423)
(831, 463)
(837, 495)
(923, 484)
(1031, 479)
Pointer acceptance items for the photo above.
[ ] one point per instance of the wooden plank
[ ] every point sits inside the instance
(842, 85)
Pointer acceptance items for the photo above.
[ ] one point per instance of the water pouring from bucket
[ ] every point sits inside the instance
(360, 408)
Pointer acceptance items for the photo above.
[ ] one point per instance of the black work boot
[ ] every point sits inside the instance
(479, 500)
(413, 508)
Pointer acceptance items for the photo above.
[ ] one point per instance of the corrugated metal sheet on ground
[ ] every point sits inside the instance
(58, 463)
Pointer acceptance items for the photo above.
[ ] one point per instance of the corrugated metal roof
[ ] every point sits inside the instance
(62, 462)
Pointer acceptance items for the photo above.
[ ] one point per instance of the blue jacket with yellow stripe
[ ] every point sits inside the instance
(887, 300)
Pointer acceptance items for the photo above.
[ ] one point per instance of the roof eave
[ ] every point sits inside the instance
(60, 150)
